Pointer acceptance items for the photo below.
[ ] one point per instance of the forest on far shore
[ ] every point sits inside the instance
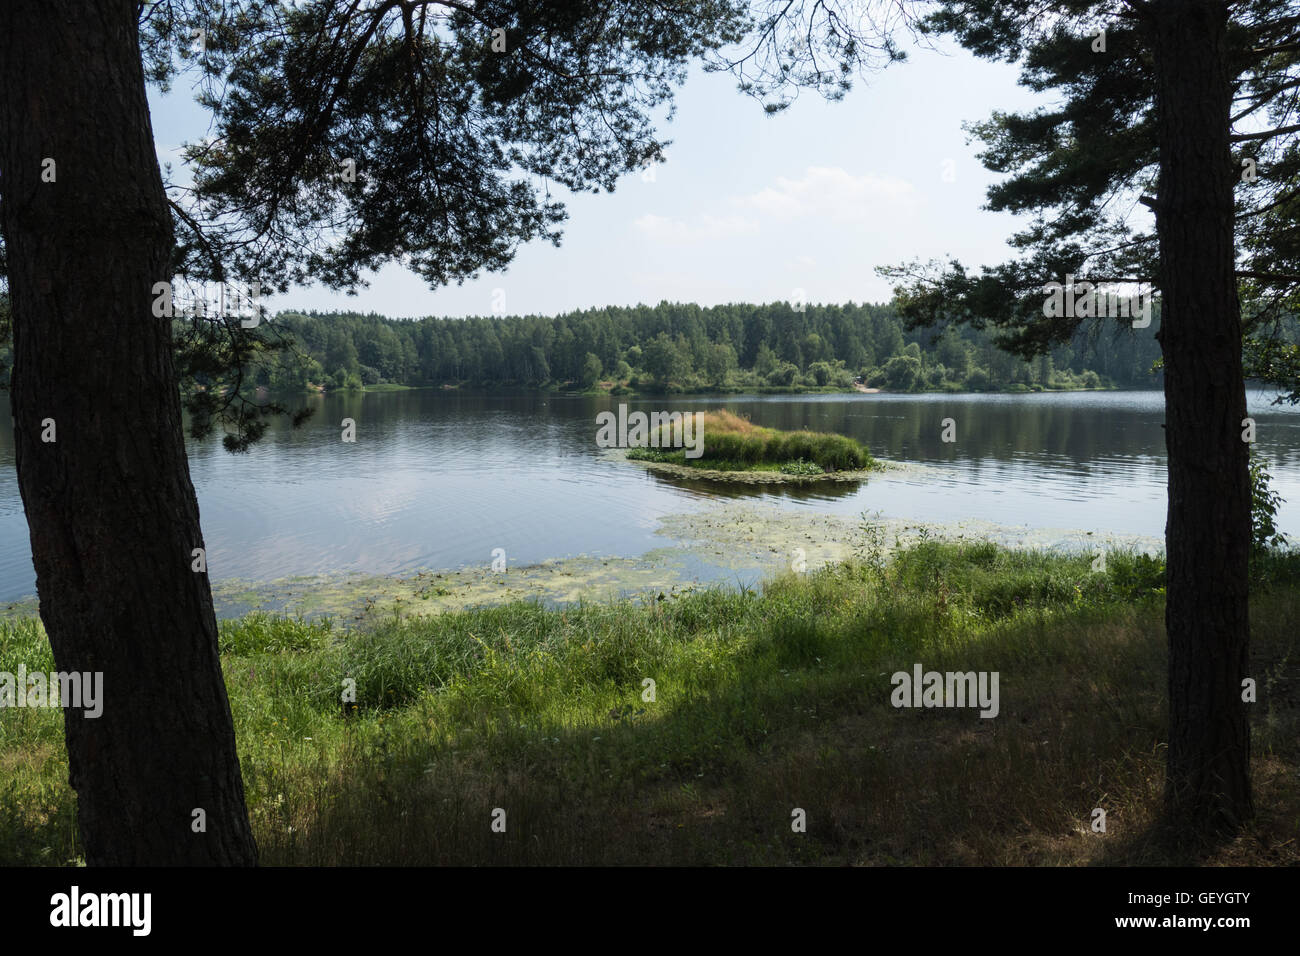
(682, 347)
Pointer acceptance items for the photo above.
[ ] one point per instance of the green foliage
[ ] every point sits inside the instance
(653, 454)
(732, 443)
(829, 452)
(665, 359)
(263, 633)
(783, 374)
(902, 373)
(1264, 503)
(720, 361)
(1272, 357)
(1135, 574)
(591, 369)
(802, 467)
(669, 346)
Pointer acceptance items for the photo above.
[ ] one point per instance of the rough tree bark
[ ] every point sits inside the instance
(110, 507)
(1207, 536)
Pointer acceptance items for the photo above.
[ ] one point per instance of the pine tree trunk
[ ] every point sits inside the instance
(1208, 531)
(110, 507)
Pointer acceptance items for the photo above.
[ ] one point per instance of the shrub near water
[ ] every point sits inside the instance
(739, 444)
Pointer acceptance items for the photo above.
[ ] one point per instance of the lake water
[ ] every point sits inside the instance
(438, 479)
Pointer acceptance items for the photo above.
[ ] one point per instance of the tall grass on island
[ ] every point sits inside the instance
(763, 703)
(734, 443)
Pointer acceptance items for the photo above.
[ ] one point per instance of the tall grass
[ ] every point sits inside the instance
(738, 442)
(762, 703)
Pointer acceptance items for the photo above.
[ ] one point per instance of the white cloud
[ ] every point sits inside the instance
(822, 194)
(702, 228)
(832, 193)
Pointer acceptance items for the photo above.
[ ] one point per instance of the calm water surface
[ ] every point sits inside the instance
(437, 480)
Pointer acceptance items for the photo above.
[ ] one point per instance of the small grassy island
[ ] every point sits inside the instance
(735, 449)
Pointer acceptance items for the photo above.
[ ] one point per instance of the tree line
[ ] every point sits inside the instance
(673, 346)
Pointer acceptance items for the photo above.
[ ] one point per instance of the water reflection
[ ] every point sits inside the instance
(439, 479)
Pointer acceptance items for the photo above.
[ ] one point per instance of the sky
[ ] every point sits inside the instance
(748, 207)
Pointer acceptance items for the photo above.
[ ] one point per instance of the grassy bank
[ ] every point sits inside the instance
(733, 443)
(763, 703)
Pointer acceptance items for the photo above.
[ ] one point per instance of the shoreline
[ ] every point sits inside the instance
(757, 477)
(726, 544)
(625, 391)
